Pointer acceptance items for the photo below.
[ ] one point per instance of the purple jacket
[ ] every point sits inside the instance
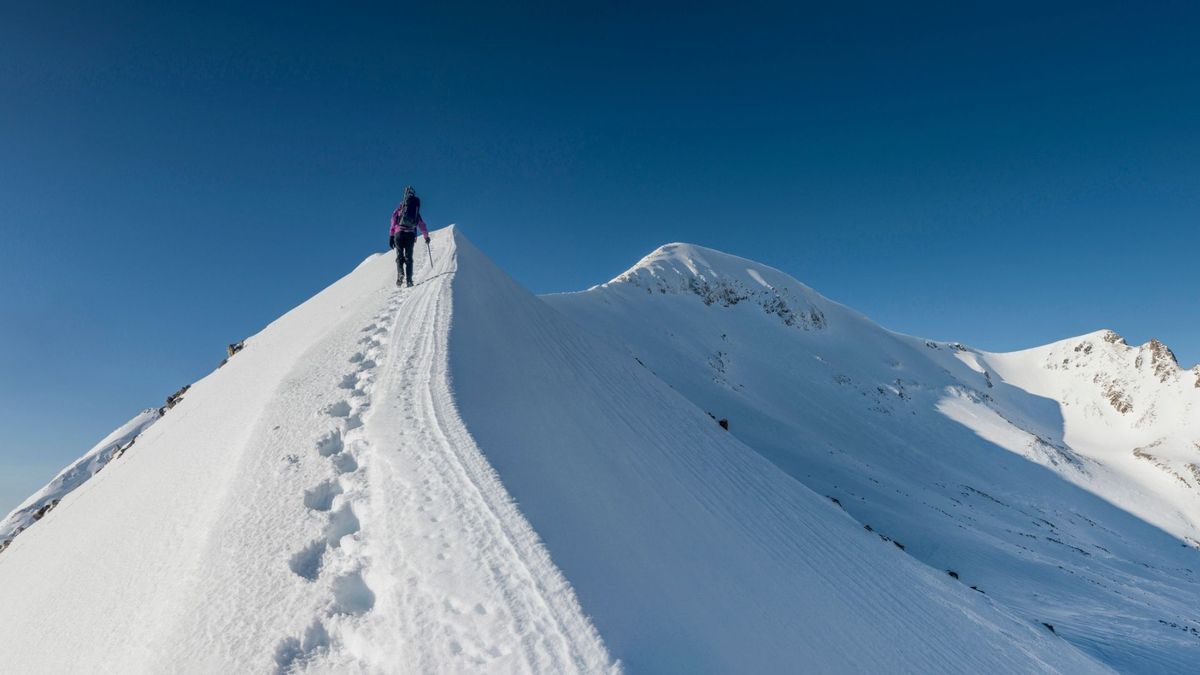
(396, 222)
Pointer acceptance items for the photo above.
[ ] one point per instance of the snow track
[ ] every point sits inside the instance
(337, 500)
(431, 564)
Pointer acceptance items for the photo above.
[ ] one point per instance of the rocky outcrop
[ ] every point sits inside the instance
(45, 508)
(172, 401)
(1161, 359)
(1124, 375)
(730, 292)
(1195, 471)
(683, 269)
(1112, 337)
(1120, 400)
(1143, 453)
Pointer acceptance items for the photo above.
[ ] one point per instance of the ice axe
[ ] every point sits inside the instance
(430, 252)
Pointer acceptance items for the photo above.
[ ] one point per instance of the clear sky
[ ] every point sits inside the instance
(172, 179)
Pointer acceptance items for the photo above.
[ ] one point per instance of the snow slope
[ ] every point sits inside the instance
(340, 498)
(266, 523)
(1016, 473)
(690, 551)
(77, 473)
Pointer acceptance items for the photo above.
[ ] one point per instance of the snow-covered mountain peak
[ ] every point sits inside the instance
(683, 260)
(1043, 477)
(724, 280)
(1153, 355)
(1121, 371)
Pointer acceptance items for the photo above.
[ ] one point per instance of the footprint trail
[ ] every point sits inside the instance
(334, 561)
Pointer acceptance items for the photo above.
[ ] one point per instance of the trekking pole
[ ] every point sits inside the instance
(430, 252)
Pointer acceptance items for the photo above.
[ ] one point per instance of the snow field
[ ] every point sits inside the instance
(1014, 472)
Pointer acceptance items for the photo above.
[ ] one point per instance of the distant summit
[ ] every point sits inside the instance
(1001, 468)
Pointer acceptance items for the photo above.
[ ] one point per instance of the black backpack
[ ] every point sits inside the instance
(410, 212)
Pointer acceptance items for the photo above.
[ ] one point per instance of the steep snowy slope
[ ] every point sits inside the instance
(77, 473)
(692, 553)
(339, 498)
(1015, 473)
(268, 522)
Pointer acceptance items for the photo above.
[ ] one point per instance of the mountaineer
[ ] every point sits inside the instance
(406, 220)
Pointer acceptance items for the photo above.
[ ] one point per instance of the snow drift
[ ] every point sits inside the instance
(459, 478)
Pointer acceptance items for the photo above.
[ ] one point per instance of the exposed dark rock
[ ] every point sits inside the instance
(46, 508)
(952, 573)
(121, 450)
(1193, 469)
(1161, 358)
(729, 292)
(235, 347)
(1120, 400)
(174, 399)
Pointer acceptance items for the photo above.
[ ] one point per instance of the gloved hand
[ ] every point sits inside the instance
(391, 242)
(426, 239)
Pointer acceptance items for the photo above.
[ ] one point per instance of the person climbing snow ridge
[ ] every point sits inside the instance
(402, 236)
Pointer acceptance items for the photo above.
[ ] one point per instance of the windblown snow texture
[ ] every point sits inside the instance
(458, 478)
(1059, 481)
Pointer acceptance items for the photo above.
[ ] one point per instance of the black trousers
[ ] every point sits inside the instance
(405, 242)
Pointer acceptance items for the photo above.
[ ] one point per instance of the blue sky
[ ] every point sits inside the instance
(173, 178)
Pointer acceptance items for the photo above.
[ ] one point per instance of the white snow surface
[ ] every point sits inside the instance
(457, 477)
(75, 474)
(313, 506)
(1062, 481)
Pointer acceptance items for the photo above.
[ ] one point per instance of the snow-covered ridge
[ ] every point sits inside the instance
(241, 532)
(726, 280)
(74, 475)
